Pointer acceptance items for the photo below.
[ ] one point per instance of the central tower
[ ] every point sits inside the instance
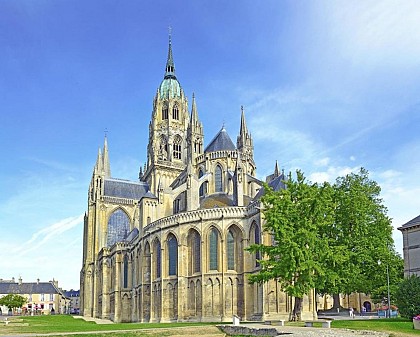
(169, 129)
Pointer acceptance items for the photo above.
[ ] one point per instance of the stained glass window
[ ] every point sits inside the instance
(218, 186)
(214, 249)
(173, 255)
(231, 250)
(118, 227)
(125, 276)
(158, 260)
(197, 252)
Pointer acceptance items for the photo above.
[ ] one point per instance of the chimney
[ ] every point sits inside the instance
(37, 281)
(20, 280)
(13, 279)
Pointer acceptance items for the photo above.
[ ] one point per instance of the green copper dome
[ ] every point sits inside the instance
(170, 87)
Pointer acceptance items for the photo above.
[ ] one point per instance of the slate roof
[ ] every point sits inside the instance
(276, 184)
(412, 223)
(125, 189)
(72, 293)
(7, 287)
(221, 142)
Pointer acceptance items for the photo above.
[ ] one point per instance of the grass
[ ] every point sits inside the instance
(63, 323)
(396, 327)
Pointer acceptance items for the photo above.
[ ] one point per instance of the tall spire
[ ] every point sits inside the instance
(243, 131)
(276, 170)
(244, 140)
(170, 65)
(194, 114)
(105, 158)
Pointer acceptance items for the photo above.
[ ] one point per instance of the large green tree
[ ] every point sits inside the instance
(359, 236)
(328, 237)
(13, 301)
(293, 216)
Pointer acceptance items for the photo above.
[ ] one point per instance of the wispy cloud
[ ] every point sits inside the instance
(47, 234)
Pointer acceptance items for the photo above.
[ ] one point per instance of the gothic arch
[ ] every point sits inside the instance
(165, 109)
(118, 226)
(213, 248)
(194, 251)
(172, 254)
(218, 178)
(255, 238)
(157, 259)
(177, 147)
(175, 111)
(234, 248)
(203, 185)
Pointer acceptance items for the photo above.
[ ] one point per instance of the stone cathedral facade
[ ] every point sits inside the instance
(171, 246)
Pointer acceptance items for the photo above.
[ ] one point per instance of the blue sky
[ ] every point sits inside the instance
(327, 87)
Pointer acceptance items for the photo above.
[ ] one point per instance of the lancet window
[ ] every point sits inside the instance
(165, 114)
(175, 112)
(173, 255)
(214, 249)
(218, 183)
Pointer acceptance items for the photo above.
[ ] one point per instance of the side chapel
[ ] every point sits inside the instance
(171, 246)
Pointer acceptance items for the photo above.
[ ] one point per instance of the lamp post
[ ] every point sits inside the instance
(389, 297)
(387, 283)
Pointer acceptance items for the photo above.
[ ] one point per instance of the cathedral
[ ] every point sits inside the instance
(170, 247)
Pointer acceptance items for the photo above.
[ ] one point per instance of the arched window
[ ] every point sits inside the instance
(165, 112)
(218, 184)
(125, 276)
(177, 147)
(230, 242)
(202, 190)
(255, 236)
(173, 255)
(175, 112)
(214, 249)
(158, 260)
(118, 227)
(194, 251)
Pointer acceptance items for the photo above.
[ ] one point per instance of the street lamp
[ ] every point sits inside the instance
(387, 282)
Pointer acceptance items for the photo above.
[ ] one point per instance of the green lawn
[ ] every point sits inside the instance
(394, 326)
(60, 323)
(63, 323)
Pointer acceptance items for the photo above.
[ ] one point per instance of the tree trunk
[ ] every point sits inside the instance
(336, 301)
(297, 309)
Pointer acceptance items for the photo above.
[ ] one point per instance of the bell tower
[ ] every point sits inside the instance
(167, 148)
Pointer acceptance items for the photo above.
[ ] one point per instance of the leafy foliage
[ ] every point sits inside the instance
(293, 216)
(359, 236)
(13, 301)
(408, 297)
(328, 237)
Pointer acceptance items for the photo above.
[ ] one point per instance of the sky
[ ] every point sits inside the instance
(327, 87)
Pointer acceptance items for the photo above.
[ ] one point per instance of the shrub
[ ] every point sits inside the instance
(408, 297)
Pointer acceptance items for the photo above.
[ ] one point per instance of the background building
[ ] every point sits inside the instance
(411, 246)
(42, 297)
(171, 246)
(74, 304)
